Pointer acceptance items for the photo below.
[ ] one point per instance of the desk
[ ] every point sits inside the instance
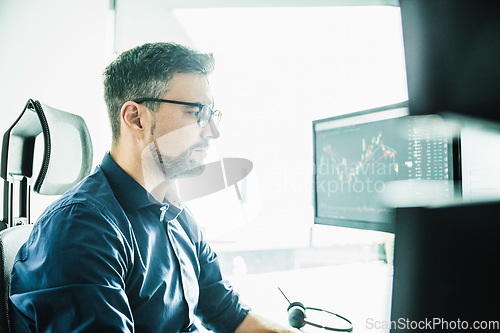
(359, 292)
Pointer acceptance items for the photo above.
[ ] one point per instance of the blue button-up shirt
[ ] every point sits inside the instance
(105, 257)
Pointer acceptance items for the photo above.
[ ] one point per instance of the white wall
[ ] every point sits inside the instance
(54, 51)
(139, 22)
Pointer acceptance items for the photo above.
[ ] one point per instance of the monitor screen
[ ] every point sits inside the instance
(357, 155)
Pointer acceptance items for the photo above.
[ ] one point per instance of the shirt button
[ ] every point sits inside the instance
(163, 210)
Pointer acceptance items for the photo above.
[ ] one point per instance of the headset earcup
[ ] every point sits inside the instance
(296, 314)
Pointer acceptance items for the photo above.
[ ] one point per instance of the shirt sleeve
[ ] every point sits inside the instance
(70, 275)
(219, 307)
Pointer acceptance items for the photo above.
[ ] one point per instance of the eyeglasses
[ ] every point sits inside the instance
(204, 114)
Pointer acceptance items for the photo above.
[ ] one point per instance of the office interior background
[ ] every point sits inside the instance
(280, 65)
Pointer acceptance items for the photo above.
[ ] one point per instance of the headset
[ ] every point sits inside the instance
(297, 317)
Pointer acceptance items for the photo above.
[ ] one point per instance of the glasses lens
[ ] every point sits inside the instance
(204, 116)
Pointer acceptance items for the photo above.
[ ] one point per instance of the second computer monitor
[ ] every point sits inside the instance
(358, 156)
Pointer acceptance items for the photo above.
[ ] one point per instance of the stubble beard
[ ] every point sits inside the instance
(182, 166)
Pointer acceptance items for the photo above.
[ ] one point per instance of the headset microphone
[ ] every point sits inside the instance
(297, 316)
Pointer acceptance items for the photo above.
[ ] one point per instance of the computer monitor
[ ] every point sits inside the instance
(357, 155)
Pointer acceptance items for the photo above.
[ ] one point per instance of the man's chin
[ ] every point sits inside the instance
(194, 172)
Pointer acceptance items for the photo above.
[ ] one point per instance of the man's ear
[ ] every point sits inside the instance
(134, 119)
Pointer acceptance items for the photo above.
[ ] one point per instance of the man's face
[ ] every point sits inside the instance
(177, 145)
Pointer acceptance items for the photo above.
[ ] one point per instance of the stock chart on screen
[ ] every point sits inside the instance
(356, 158)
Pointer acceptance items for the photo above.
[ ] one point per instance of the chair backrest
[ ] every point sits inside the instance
(67, 156)
(11, 240)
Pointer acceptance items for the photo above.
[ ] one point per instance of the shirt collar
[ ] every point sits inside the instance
(129, 193)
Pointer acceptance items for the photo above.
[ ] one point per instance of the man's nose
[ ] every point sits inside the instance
(211, 131)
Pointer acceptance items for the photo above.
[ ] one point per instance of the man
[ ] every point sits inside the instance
(119, 252)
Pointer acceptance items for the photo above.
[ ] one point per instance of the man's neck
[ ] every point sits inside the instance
(129, 163)
(145, 171)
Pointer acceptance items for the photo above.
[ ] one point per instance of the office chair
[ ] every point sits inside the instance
(66, 159)
(11, 240)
